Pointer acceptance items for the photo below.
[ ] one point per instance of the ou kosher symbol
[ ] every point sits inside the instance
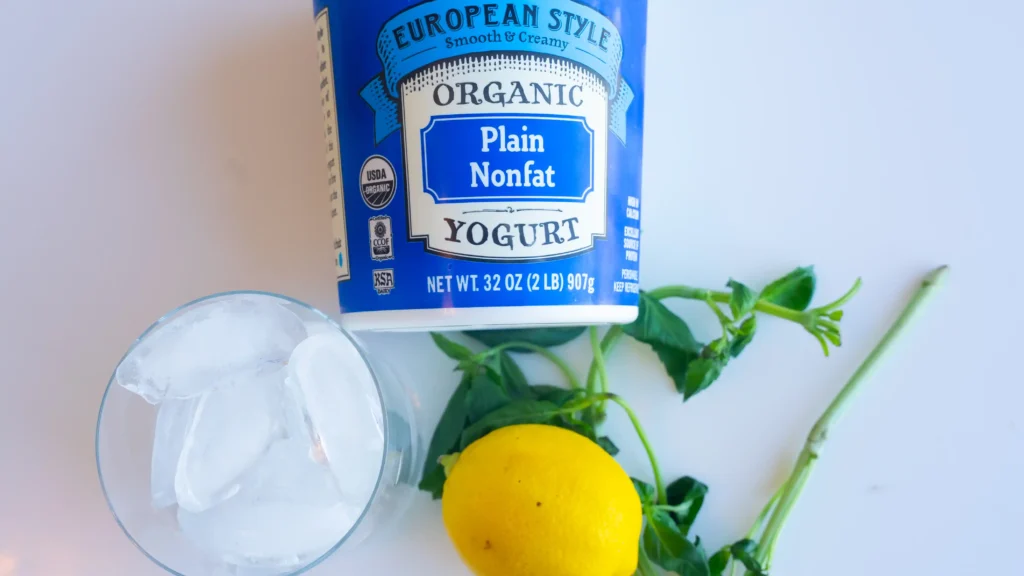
(510, 36)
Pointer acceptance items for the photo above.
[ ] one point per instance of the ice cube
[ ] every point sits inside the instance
(289, 474)
(232, 429)
(173, 420)
(287, 513)
(211, 344)
(342, 409)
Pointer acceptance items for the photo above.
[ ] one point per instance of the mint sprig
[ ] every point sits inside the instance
(782, 504)
(786, 298)
(494, 393)
(695, 366)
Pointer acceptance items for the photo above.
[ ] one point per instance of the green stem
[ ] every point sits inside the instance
(602, 371)
(724, 320)
(756, 528)
(658, 481)
(689, 293)
(792, 490)
(844, 299)
(611, 338)
(570, 374)
(755, 531)
(590, 400)
(819, 433)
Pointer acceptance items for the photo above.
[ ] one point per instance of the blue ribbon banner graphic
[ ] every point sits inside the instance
(427, 33)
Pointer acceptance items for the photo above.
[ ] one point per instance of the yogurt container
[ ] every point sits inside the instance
(484, 160)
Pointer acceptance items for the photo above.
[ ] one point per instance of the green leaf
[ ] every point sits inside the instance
(657, 325)
(433, 481)
(512, 376)
(743, 299)
(702, 373)
(578, 426)
(488, 365)
(452, 349)
(518, 412)
(485, 396)
(794, 290)
(685, 499)
(499, 368)
(644, 566)
(609, 446)
(446, 437)
(743, 337)
(648, 494)
(669, 337)
(554, 394)
(746, 552)
(669, 548)
(720, 561)
(676, 363)
(700, 549)
(545, 337)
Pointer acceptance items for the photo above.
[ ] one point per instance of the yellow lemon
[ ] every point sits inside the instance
(535, 500)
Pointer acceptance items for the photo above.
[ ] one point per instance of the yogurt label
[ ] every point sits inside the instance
(485, 142)
(512, 178)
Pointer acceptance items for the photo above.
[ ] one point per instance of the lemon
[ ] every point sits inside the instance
(533, 500)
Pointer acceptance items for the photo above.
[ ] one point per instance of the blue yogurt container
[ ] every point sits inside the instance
(484, 160)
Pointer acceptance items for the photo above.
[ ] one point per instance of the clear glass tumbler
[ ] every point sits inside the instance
(128, 426)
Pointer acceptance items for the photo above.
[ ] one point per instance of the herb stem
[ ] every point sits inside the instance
(688, 293)
(755, 529)
(602, 371)
(844, 299)
(724, 320)
(611, 338)
(658, 481)
(570, 374)
(590, 400)
(763, 516)
(794, 486)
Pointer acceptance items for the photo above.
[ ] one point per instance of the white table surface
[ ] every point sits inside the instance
(153, 152)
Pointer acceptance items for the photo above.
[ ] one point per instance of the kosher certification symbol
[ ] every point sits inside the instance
(377, 182)
(381, 239)
(384, 281)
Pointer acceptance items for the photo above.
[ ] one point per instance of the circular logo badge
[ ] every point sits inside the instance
(380, 230)
(377, 182)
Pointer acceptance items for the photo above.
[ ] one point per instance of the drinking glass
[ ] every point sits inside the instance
(125, 434)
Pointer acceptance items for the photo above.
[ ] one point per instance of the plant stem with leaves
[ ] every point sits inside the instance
(562, 365)
(495, 393)
(821, 322)
(694, 366)
(783, 502)
(659, 482)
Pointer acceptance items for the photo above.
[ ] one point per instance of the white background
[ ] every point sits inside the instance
(153, 152)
